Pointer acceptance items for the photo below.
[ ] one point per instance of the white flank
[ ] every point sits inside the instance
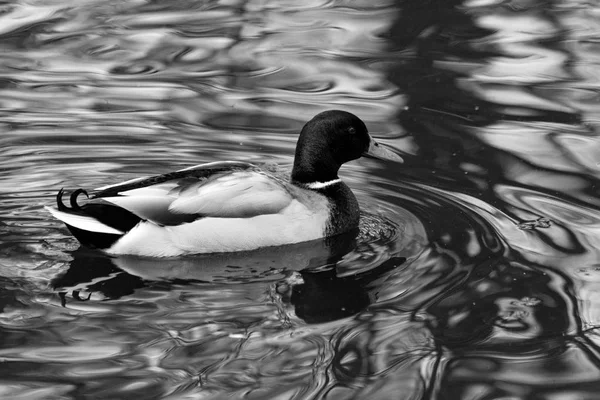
(82, 222)
(214, 235)
(321, 185)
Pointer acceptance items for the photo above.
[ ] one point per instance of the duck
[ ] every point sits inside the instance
(229, 206)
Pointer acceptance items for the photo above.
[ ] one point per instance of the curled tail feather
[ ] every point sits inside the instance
(96, 225)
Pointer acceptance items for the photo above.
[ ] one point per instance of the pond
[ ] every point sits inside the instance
(476, 272)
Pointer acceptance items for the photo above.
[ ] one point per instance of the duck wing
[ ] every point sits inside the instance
(221, 190)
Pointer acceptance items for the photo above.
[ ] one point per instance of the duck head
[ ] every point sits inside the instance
(329, 140)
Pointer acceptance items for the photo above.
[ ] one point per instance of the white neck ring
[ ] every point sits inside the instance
(322, 185)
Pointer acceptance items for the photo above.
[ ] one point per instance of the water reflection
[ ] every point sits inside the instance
(322, 296)
(495, 213)
(503, 302)
(488, 106)
(92, 273)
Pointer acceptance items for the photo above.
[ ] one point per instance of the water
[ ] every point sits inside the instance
(477, 271)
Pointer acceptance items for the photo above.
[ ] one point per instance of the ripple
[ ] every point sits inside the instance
(35, 390)
(63, 354)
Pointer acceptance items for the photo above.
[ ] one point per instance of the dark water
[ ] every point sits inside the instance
(477, 271)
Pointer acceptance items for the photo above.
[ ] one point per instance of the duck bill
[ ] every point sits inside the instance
(377, 150)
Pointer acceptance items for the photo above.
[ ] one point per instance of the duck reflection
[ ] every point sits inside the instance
(319, 296)
(322, 296)
(92, 272)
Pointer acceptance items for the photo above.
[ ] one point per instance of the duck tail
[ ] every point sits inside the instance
(95, 225)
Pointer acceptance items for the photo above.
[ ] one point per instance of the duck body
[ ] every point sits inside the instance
(227, 206)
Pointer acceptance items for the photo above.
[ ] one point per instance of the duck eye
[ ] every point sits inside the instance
(351, 130)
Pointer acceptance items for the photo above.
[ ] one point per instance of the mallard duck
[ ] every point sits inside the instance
(229, 206)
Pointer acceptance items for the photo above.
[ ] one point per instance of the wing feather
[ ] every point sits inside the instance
(229, 194)
(151, 208)
(235, 195)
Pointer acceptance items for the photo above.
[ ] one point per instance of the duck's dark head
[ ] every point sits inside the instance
(329, 140)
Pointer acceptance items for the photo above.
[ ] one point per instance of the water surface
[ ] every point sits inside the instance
(475, 275)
